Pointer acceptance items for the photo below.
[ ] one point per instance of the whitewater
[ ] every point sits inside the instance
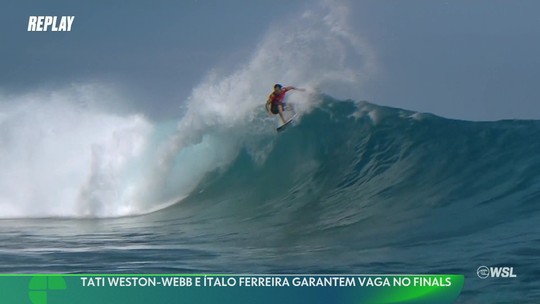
(351, 187)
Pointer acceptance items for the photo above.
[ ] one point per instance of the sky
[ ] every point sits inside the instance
(473, 60)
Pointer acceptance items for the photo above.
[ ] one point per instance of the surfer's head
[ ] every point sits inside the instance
(277, 87)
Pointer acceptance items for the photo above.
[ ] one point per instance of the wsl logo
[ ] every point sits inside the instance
(484, 272)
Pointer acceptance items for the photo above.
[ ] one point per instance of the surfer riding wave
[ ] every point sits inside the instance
(275, 104)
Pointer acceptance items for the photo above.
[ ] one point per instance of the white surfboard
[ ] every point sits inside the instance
(283, 126)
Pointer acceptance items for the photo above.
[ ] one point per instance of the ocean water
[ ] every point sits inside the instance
(351, 187)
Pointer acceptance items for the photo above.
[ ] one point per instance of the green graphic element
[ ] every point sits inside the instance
(422, 294)
(168, 288)
(39, 285)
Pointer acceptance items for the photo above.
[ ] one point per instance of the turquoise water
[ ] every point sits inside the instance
(351, 188)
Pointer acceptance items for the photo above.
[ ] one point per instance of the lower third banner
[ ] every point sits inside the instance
(228, 288)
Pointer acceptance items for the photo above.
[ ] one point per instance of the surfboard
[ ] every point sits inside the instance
(283, 126)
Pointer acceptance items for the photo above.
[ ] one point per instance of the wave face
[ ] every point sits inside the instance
(351, 187)
(354, 187)
(353, 162)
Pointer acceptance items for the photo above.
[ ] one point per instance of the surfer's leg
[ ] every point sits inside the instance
(280, 107)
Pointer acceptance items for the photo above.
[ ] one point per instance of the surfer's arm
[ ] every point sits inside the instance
(288, 88)
(267, 106)
(293, 88)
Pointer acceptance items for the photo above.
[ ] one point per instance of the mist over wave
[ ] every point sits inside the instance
(65, 156)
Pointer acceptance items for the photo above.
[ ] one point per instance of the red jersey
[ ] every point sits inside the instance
(277, 99)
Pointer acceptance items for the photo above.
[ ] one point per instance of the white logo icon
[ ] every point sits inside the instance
(484, 272)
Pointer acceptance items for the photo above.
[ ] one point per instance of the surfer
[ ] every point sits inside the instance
(275, 104)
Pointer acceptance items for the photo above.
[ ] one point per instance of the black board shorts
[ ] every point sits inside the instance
(274, 108)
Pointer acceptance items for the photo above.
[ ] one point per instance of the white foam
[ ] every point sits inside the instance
(417, 116)
(63, 154)
(303, 52)
(63, 159)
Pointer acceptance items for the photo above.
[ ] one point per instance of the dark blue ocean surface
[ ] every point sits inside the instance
(351, 188)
